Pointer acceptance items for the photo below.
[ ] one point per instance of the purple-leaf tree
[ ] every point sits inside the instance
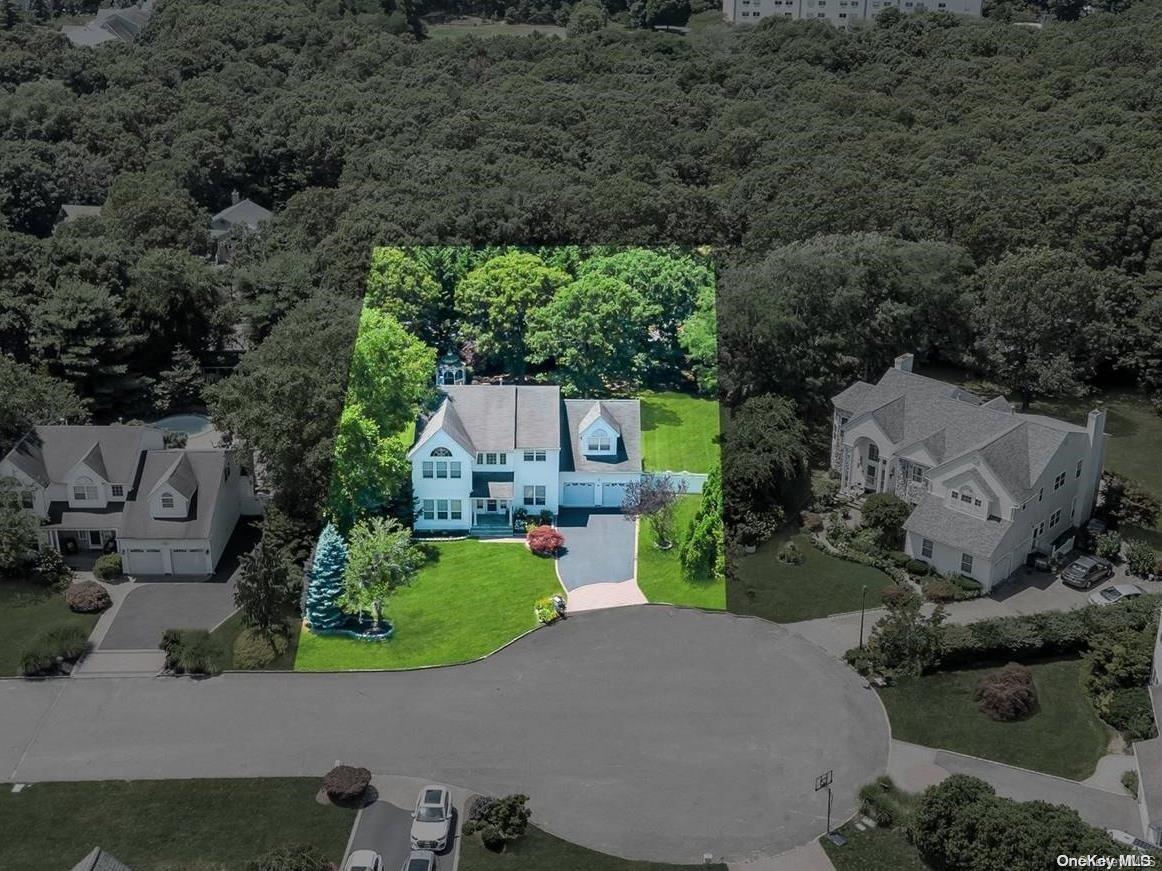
(654, 497)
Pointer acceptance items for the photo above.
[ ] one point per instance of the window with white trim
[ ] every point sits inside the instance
(535, 456)
(926, 548)
(84, 490)
(427, 466)
(457, 512)
(429, 509)
(599, 441)
(966, 564)
(117, 490)
(1059, 481)
(441, 509)
(454, 467)
(490, 459)
(1054, 518)
(441, 468)
(917, 473)
(534, 494)
(167, 501)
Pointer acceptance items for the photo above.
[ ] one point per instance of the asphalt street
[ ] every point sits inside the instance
(648, 732)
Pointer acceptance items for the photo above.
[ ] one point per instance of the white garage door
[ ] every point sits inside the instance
(143, 561)
(189, 562)
(612, 495)
(577, 494)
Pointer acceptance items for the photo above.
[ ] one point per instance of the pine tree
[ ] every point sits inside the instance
(8, 16)
(326, 582)
(40, 10)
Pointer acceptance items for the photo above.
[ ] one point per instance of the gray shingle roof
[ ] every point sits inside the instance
(206, 470)
(48, 453)
(492, 485)
(950, 421)
(596, 412)
(932, 519)
(484, 417)
(99, 860)
(180, 476)
(245, 212)
(625, 413)
(75, 211)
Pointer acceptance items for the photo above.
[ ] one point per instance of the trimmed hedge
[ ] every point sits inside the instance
(87, 597)
(107, 567)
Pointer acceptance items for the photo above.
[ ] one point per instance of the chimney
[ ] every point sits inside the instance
(1095, 424)
(235, 197)
(904, 363)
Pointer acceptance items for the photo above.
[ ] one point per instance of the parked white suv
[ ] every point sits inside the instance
(432, 819)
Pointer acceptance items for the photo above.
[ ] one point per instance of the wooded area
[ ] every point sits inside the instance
(971, 189)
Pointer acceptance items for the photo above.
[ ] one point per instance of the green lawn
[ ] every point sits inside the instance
(540, 851)
(659, 574)
(874, 850)
(679, 432)
(151, 825)
(228, 631)
(469, 600)
(820, 585)
(1064, 737)
(26, 611)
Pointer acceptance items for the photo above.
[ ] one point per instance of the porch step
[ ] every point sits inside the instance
(121, 663)
(491, 532)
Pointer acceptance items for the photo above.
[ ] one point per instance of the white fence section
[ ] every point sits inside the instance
(694, 481)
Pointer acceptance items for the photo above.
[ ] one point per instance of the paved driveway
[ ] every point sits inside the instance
(151, 608)
(649, 732)
(600, 545)
(386, 829)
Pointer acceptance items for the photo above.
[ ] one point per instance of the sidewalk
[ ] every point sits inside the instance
(913, 768)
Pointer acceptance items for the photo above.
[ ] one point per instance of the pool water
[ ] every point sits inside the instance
(190, 424)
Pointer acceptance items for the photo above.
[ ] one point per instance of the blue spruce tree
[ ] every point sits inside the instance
(326, 584)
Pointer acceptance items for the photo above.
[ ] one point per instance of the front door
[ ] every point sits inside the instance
(491, 507)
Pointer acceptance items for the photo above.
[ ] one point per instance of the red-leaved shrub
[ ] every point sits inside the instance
(87, 597)
(545, 540)
(1007, 694)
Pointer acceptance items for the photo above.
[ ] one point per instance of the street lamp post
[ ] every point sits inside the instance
(862, 608)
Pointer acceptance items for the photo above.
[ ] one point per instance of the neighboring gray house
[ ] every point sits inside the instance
(990, 485)
(241, 216)
(74, 212)
(489, 450)
(110, 24)
(94, 488)
(99, 860)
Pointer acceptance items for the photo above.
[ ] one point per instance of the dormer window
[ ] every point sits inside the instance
(117, 491)
(167, 501)
(599, 441)
(84, 490)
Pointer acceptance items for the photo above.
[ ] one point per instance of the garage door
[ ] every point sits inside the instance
(612, 495)
(189, 562)
(143, 561)
(577, 494)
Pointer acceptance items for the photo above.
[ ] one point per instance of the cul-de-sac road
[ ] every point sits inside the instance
(648, 732)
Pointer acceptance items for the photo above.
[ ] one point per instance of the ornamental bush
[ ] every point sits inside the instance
(345, 784)
(107, 566)
(1140, 558)
(790, 554)
(546, 610)
(1008, 694)
(1128, 710)
(191, 651)
(49, 569)
(302, 857)
(43, 655)
(545, 541)
(87, 597)
(917, 567)
(499, 821)
(941, 590)
(326, 582)
(1109, 545)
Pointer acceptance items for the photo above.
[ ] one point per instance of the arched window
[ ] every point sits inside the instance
(441, 452)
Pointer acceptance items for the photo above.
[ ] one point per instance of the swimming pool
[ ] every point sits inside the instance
(190, 424)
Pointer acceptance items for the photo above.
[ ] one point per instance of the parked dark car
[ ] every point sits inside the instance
(1086, 571)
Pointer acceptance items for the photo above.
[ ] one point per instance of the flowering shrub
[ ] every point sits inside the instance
(546, 610)
(545, 541)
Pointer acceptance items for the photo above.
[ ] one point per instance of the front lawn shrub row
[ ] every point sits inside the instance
(254, 648)
(1052, 633)
(873, 559)
(191, 651)
(951, 588)
(346, 784)
(1007, 694)
(107, 567)
(54, 652)
(87, 597)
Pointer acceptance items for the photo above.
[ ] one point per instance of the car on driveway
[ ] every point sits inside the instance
(432, 819)
(363, 860)
(1115, 593)
(420, 860)
(1086, 571)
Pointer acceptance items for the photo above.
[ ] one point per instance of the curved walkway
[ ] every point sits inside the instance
(647, 732)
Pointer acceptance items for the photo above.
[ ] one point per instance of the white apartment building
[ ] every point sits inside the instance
(839, 12)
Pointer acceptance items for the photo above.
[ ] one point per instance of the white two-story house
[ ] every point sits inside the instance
(990, 486)
(118, 488)
(488, 451)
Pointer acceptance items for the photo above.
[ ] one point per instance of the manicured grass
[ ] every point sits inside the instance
(874, 850)
(469, 600)
(659, 573)
(1064, 737)
(26, 611)
(161, 825)
(679, 432)
(540, 851)
(232, 628)
(819, 586)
